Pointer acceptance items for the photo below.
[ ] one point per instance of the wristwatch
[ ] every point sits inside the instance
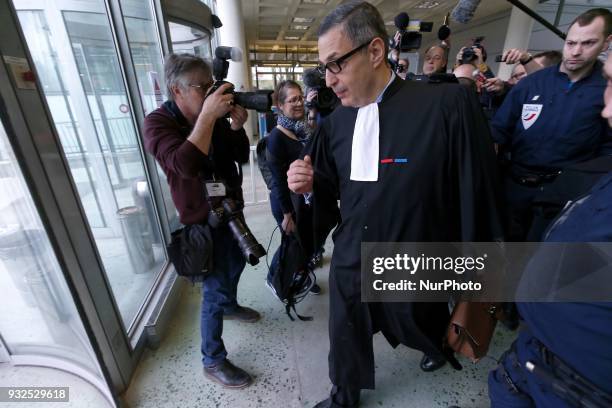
(527, 60)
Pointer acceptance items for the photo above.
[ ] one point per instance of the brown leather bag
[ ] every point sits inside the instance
(471, 328)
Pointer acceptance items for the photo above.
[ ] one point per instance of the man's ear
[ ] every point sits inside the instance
(376, 51)
(176, 91)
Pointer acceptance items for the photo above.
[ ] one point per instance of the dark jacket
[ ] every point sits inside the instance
(186, 167)
(282, 151)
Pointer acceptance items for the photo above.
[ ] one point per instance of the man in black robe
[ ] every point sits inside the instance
(410, 162)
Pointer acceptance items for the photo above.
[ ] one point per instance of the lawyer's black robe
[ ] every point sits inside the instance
(445, 192)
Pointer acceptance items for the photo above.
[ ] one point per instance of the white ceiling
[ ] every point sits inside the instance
(269, 22)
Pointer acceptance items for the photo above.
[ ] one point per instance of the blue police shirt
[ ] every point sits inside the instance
(549, 122)
(579, 333)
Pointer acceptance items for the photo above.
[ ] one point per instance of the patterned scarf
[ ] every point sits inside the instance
(299, 127)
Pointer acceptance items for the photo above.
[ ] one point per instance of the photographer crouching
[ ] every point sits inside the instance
(198, 149)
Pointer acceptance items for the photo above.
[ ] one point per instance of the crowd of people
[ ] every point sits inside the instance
(491, 152)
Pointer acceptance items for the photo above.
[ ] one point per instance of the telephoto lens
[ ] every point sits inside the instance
(251, 249)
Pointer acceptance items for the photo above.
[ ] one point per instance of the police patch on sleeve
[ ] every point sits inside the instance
(531, 113)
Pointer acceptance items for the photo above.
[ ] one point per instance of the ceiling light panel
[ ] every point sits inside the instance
(427, 4)
(303, 20)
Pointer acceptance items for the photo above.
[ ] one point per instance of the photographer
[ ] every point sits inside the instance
(193, 143)
(476, 55)
(320, 100)
(401, 69)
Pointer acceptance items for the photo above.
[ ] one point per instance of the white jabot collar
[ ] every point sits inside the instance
(365, 149)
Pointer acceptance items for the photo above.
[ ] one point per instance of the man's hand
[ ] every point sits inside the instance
(288, 225)
(514, 55)
(218, 104)
(300, 176)
(494, 85)
(460, 56)
(239, 115)
(311, 95)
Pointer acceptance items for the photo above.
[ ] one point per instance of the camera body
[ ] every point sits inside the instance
(469, 54)
(260, 101)
(326, 100)
(409, 33)
(225, 210)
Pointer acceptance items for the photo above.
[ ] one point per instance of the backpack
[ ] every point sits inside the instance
(262, 155)
(292, 279)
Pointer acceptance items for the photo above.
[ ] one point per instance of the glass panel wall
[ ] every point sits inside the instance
(147, 59)
(72, 46)
(269, 77)
(186, 39)
(37, 314)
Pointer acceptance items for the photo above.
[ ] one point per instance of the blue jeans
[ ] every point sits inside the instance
(219, 291)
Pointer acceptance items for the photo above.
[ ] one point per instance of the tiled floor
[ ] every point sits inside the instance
(81, 393)
(289, 359)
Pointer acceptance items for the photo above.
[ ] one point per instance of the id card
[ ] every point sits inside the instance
(215, 189)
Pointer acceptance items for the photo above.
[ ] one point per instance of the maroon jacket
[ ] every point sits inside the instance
(186, 167)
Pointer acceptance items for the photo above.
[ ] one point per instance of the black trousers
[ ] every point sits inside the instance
(519, 209)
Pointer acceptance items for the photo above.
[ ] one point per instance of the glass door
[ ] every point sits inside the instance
(75, 53)
(39, 321)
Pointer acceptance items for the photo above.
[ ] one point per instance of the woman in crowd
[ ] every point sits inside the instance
(285, 143)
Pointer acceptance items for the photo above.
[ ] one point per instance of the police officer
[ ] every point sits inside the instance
(551, 118)
(563, 355)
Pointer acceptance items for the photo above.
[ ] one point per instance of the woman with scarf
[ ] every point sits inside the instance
(285, 143)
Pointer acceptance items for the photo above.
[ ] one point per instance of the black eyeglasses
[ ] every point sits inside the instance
(401, 68)
(335, 66)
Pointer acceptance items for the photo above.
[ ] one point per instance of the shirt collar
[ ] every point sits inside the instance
(595, 73)
(380, 97)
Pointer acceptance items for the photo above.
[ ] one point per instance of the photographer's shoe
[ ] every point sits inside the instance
(429, 363)
(243, 314)
(228, 375)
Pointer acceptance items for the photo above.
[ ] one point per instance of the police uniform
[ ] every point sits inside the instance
(547, 123)
(571, 340)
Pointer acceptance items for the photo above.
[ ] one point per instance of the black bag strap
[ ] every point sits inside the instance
(288, 308)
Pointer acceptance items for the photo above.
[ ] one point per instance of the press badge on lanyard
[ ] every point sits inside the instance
(215, 189)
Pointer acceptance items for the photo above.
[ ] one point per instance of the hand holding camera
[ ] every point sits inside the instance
(218, 103)
(239, 116)
(474, 54)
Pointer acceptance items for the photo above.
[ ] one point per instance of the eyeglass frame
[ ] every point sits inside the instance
(323, 68)
(202, 88)
(299, 99)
